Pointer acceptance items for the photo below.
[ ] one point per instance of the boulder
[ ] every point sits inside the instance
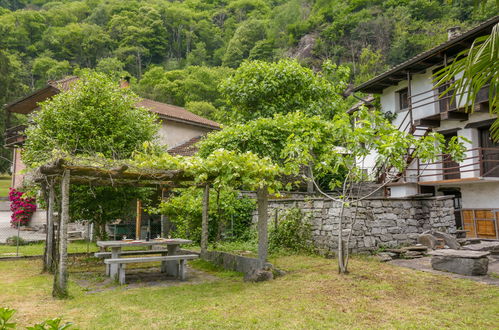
(384, 257)
(450, 240)
(428, 240)
(462, 262)
(258, 276)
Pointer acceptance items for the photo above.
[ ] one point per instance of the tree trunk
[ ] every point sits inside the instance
(204, 223)
(262, 198)
(61, 278)
(49, 244)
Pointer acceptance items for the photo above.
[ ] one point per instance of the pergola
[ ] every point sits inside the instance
(63, 173)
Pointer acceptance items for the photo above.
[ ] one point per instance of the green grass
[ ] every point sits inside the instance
(312, 295)
(36, 249)
(5, 181)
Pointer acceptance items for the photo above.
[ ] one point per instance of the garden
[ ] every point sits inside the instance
(91, 153)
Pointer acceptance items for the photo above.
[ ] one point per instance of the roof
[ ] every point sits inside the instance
(171, 112)
(427, 59)
(367, 102)
(175, 113)
(188, 148)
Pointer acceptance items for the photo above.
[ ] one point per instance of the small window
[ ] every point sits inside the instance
(403, 99)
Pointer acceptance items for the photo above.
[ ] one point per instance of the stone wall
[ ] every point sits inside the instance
(380, 221)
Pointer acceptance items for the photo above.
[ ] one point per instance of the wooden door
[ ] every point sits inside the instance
(481, 223)
(450, 167)
(490, 154)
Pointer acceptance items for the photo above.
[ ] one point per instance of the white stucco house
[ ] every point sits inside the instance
(408, 91)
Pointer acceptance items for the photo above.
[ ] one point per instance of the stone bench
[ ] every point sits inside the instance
(127, 253)
(462, 262)
(121, 262)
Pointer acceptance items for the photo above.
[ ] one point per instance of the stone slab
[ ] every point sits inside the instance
(462, 266)
(483, 246)
(466, 254)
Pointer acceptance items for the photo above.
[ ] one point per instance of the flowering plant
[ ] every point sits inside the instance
(22, 207)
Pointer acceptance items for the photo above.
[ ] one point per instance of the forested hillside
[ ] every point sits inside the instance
(41, 40)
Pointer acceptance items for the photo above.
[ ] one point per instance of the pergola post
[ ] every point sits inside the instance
(163, 217)
(138, 219)
(262, 200)
(61, 276)
(204, 220)
(49, 243)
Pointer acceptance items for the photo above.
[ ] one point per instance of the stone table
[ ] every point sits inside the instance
(464, 262)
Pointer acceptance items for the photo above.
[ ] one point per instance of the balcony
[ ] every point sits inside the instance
(429, 108)
(14, 136)
(480, 164)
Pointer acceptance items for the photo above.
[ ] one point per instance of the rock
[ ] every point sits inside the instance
(278, 272)
(413, 254)
(483, 246)
(384, 257)
(421, 248)
(462, 262)
(450, 241)
(428, 240)
(258, 276)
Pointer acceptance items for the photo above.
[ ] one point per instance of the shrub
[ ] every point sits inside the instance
(22, 207)
(52, 324)
(15, 240)
(229, 214)
(293, 232)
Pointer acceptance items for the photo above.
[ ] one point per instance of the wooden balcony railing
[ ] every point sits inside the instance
(484, 162)
(14, 136)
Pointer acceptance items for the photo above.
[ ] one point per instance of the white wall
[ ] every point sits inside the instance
(173, 133)
(480, 195)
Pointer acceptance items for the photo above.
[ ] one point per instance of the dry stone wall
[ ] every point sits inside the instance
(380, 222)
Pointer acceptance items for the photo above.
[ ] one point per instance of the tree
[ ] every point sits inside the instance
(471, 71)
(261, 89)
(94, 116)
(276, 138)
(370, 135)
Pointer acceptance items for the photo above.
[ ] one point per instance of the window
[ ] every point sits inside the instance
(403, 99)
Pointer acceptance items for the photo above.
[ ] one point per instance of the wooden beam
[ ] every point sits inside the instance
(138, 219)
(453, 115)
(262, 200)
(427, 122)
(61, 277)
(205, 220)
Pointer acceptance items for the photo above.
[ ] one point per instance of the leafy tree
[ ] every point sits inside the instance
(260, 89)
(371, 135)
(192, 84)
(112, 67)
(95, 116)
(45, 68)
(244, 39)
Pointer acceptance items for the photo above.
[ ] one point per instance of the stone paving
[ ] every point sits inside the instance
(424, 264)
(7, 231)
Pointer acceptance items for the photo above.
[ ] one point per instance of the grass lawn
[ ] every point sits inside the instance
(36, 249)
(311, 295)
(5, 181)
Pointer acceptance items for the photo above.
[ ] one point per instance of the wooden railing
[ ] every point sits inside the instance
(484, 161)
(15, 136)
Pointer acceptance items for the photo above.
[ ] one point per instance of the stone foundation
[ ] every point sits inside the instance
(381, 222)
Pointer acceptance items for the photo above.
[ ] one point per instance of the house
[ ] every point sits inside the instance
(408, 91)
(178, 126)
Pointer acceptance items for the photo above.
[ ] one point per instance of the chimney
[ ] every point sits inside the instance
(125, 82)
(453, 32)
